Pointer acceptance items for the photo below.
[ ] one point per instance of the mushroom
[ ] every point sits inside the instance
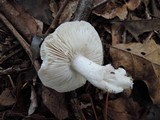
(73, 54)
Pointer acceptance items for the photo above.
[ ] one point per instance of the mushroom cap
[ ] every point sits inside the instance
(59, 50)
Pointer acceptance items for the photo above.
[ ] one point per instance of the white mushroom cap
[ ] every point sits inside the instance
(60, 48)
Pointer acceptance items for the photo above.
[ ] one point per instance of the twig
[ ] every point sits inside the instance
(83, 10)
(55, 21)
(20, 19)
(124, 36)
(81, 113)
(11, 48)
(107, 104)
(21, 40)
(75, 106)
(149, 37)
(11, 81)
(12, 114)
(93, 107)
(11, 70)
(99, 4)
(4, 58)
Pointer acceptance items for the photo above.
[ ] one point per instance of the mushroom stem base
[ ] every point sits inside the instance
(104, 77)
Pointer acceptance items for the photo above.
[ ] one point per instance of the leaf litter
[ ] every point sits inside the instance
(142, 62)
(129, 31)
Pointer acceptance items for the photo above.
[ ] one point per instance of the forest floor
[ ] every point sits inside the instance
(129, 30)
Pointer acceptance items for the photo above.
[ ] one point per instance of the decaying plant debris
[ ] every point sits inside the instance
(129, 30)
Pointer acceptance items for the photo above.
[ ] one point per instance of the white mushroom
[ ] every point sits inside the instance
(73, 54)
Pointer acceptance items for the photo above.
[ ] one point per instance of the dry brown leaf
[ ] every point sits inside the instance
(116, 36)
(153, 113)
(23, 21)
(53, 7)
(111, 10)
(6, 98)
(68, 11)
(55, 102)
(142, 61)
(38, 8)
(155, 9)
(123, 109)
(138, 27)
(133, 4)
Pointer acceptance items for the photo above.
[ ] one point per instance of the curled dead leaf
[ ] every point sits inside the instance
(138, 27)
(39, 9)
(55, 102)
(142, 61)
(68, 11)
(111, 10)
(116, 33)
(123, 109)
(6, 98)
(133, 4)
(53, 7)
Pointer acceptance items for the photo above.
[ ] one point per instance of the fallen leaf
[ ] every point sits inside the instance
(137, 27)
(53, 7)
(133, 4)
(39, 23)
(55, 102)
(123, 109)
(22, 101)
(153, 113)
(31, 23)
(111, 10)
(142, 61)
(7, 98)
(155, 9)
(20, 19)
(116, 33)
(38, 8)
(68, 11)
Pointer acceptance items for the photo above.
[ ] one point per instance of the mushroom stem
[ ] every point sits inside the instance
(104, 77)
(87, 68)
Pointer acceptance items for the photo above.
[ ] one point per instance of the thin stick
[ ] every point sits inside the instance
(11, 48)
(55, 21)
(107, 104)
(149, 37)
(20, 19)
(11, 81)
(99, 4)
(4, 58)
(11, 70)
(93, 107)
(84, 8)
(21, 40)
